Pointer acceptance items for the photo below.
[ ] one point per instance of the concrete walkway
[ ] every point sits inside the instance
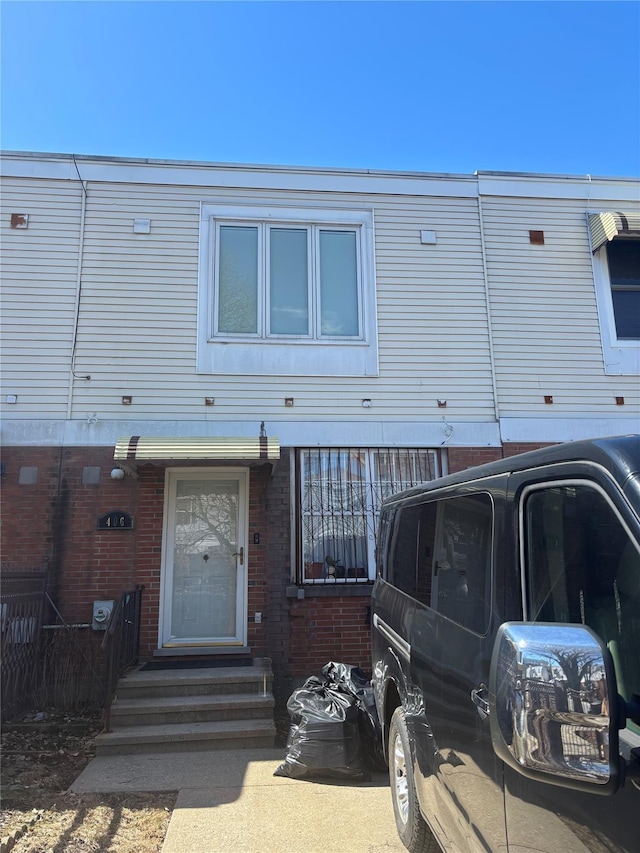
(230, 802)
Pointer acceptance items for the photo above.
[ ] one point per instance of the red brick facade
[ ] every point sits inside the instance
(51, 519)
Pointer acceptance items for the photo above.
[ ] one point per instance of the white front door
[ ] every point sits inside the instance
(204, 561)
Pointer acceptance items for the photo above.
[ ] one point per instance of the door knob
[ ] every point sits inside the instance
(240, 554)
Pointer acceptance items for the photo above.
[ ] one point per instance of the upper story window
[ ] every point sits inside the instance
(287, 292)
(615, 240)
(623, 258)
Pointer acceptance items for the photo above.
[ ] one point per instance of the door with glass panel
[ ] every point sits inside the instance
(204, 558)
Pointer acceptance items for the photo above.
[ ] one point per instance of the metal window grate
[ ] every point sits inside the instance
(340, 493)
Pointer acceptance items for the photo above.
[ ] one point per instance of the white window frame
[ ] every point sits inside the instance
(267, 353)
(621, 355)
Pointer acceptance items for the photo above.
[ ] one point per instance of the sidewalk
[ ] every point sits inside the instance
(230, 802)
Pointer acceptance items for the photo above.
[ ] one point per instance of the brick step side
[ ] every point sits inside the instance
(184, 737)
(185, 709)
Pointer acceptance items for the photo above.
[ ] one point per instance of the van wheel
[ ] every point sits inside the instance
(412, 828)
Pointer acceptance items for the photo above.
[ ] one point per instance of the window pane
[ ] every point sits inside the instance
(623, 257)
(338, 284)
(462, 561)
(412, 550)
(289, 287)
(238, 280)
(583, 567)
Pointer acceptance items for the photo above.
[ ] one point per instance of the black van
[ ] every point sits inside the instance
(506, 653)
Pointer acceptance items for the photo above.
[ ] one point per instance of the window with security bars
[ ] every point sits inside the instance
(340, 492)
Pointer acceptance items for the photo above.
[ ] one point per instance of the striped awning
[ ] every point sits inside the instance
(139, 448)
(607, 225)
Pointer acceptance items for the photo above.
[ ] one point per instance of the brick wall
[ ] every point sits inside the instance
(330, 629)
(461, 458)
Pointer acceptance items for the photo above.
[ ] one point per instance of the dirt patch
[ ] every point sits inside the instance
(40, 760)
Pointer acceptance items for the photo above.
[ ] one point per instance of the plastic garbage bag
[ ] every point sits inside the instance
(324, 738)
(343, 676)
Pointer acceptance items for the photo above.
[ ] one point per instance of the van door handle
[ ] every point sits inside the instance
(240, 554)
(479, 699)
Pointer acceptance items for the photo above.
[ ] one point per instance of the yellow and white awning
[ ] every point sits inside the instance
(141, 448)
(609, 224)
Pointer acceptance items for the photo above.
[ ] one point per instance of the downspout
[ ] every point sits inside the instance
(72, 374)
(492, 361)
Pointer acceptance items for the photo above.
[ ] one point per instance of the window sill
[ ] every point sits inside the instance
(343, 590)
(293, 358)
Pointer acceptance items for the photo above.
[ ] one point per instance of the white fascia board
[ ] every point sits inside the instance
(532, 429)
(613, 191)
(365, 433)
(250, 177)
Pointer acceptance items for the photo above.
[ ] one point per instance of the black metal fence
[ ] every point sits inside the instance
(61, 666)
(22, 598)
(121, 642)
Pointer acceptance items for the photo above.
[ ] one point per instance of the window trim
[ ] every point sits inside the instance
(287, 355)
(621, 355)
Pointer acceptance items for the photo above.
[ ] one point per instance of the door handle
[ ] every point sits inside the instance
(240, 554)
(478, 697)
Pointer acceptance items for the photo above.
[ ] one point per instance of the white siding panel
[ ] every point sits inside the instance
(39, 274)
(544, 315)
(138, 319)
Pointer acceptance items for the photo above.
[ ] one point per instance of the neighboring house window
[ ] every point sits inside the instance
(623, 258)
(340, 492)
(287, 292)
(616, 265)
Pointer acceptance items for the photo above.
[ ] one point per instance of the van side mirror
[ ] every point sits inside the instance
(554, 707)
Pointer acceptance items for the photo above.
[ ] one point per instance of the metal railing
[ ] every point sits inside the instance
(122, 642)
(22, 597)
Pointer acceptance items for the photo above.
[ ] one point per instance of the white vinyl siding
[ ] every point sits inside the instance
(546, 334)
(39, 274)
(138, 315)
(139, 311)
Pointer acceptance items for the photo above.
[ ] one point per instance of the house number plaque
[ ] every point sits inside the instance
(115, 520)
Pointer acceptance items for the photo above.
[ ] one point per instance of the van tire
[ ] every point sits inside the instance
(412, 827)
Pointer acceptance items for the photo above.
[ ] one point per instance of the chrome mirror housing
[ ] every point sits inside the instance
(553, 705)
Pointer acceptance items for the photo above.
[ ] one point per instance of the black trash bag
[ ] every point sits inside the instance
(352, 679)
(324, 738)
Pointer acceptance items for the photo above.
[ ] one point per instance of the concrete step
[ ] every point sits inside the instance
(256, 680)
(185, 737)
(147, 711)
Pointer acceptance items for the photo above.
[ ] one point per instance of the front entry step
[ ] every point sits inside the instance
(191, 709)
(187, 737)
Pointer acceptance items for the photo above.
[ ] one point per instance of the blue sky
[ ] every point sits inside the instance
(427, 86)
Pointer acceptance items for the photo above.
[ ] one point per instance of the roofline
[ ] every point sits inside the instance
(244, 167)
(326, 170)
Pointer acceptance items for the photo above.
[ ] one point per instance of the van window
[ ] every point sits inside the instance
(581, 566)
(411, 554)
(462, 561)
(440, 554)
